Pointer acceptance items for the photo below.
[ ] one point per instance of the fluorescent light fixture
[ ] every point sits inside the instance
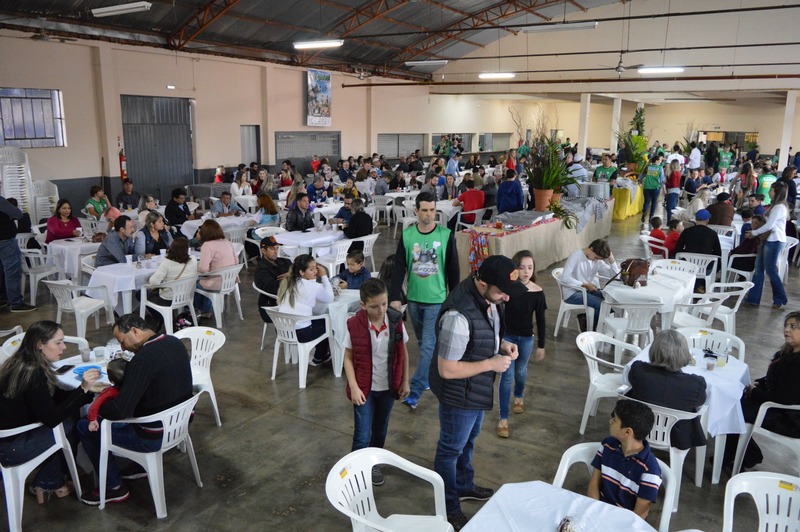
(310, 45)
(122, 9)
(497, 75)
(427, 62)
(171, 87)
(563, 26)
(660, 70)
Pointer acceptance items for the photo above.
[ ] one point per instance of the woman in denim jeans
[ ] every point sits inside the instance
(519, 330)
(770, 250)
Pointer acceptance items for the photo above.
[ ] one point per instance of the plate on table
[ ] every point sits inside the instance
(83, 369)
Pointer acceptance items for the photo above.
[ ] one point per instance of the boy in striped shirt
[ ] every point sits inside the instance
(626, 473)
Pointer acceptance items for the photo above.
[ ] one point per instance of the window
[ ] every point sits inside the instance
(494, 141)
(302, 144)
(32, 118)
(466, 141)
(395, 145)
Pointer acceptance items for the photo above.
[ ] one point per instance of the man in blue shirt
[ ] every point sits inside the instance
(452, 165)
(225, 207)
(345, 213)
(316, 191)
(117, 244)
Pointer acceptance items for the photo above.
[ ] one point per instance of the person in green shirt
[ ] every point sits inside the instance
(605, 173)
(765, 183)
(652, 179)
(97, 203)
(725, 157)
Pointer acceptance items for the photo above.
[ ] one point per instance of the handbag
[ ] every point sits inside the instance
(633, 271)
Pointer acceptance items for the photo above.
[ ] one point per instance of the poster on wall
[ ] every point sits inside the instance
(319, 98)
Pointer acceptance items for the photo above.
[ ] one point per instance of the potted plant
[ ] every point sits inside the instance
(568, 218)
(547, 174)
(635, 151)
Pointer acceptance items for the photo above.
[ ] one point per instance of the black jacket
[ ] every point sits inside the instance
(266, 279)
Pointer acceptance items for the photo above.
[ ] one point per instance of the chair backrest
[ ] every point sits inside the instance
(665, 419)
(589, 342)
(723, 230)
(702, 262)
(369, 243)
(263, 232)
(735, 291)
(176, 422)
(11, 345)
(675, 265)
(651, 243)
(284, 325)
(349, 485)
(229, 277)
(734, 273)
(236, 235)
(263, 292)
(579, 453)
(205, 342)
(182, 290)
(717, 341)
(562, 288)
(89, 225)
(62, 291)
(777, 497)
(339, 251)
(381, 201)
(22, 239)
(640, 315)
(704, 308)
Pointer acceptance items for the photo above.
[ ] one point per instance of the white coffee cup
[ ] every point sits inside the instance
(99, 353)
(80, 231)
(129, 258)
(163, 252)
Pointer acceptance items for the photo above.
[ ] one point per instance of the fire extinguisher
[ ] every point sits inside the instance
(123, 164)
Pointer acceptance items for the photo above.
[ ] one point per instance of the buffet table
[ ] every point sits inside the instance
(627, 202)
(548, 241)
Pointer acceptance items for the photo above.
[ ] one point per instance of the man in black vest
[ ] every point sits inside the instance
(469, 331)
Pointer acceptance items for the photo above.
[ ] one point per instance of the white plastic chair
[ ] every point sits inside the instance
(703, 263)
(263, 232)
(783, 258)
(90, 226)
(11, 345)
(237, 235)
(600, 384)
(230, 283)
(349, 490)
(717, 341)
(461, 224)
(337, 256)
(776, 496)
(383, 205)
(205, 343)
(14, 476)
(403, 216)
(674, 265)
(651, 243)
(723, 230)
(369, 245)
(286, 336)
(87, 264)
(757, 428)
(733, 274)
(737, 291)
(264, 330)
(565, 309)
(69, 299)
(182, 296)
(584, 453)
(38, 266)
(17, 332)
(700, 313)
(175, 422)
(632, 319)
(659, 438)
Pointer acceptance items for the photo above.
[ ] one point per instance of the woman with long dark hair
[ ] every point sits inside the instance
(30, 395)
(62, 224)
(153, 237)
(306, 285)
(770, 250)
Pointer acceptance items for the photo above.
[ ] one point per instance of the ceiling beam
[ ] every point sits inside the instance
(486, 17)
(576, 4)
(202, 19)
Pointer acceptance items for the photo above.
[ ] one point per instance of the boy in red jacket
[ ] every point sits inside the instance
(376, 366)
(116, 374)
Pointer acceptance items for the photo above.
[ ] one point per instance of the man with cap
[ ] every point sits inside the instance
(469, 351)
(128, 198)
(699, 238)
(270, 272)
(722, 211)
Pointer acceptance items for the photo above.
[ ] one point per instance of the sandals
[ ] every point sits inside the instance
(43, 494)
(518, 407)
(503, 432)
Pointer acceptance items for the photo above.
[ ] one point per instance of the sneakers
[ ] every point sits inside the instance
(133, 472)
(582, 322)
(318, 362)
(23, 308)
(377, 477)
(118, 494)
(458, 521)
(477, 494)
(411, 403)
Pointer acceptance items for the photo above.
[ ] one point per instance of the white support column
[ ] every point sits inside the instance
(786, 133)
(615, 125)
(583, 124)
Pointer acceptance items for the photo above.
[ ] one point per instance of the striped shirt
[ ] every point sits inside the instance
(626, 478)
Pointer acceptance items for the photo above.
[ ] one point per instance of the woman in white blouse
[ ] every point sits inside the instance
(306, 285)
(770, 250)
(241, 187)
(177, 264)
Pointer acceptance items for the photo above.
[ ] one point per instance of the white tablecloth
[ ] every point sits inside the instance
(248, 203)
(329, 210)
(121, 279)
(68, 254)
(538, 506)
(70, 379)
(307, 241)
(191, 226)
(665, 288)
(347, 301)
(447, 208)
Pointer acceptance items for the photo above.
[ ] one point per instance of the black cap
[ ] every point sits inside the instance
(269, 241)
(500, 271)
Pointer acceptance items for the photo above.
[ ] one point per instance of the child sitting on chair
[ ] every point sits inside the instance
(626, 473)
(116, 374)
(376, 366)
(356, 273)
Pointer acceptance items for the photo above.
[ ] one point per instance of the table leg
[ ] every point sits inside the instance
(127, 305)
(666, 321)
(719, 451)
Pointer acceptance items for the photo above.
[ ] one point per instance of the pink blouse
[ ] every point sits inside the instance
(58, 229)
(215, 254)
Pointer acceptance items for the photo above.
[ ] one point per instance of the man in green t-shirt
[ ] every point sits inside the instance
(605, 172)
(426, 256)
(725, 157)
(765, 181)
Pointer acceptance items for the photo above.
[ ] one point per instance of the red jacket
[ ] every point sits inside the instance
(107, 395)
(358, 326)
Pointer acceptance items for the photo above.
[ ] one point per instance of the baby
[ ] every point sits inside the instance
(116, 374)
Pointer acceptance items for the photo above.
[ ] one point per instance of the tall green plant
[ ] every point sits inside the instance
(635, 150)
(637, 122)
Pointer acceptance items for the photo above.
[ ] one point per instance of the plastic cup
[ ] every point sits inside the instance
(163, 252)
(100, 352)
(711, 364)
(80, 231)
(86, 355)
(129, 259)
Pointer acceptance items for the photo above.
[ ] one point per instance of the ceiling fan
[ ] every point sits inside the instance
(621, 66)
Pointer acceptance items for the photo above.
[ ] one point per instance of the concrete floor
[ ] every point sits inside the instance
(265, 468)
